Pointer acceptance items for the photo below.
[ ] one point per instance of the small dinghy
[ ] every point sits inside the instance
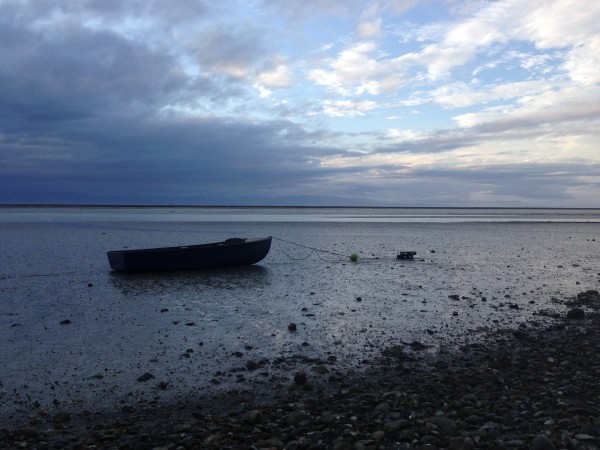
(229, 253)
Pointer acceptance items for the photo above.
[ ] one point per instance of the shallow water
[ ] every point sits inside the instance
(185, 328)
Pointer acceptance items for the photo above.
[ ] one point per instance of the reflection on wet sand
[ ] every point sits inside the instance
(229, 278)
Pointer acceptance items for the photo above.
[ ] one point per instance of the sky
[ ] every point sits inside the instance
(300, 102)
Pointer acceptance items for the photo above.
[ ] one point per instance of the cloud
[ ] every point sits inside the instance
(583, 62)
(369, 29)
(357, 71)
(277, 76)
(306, 9)
(203, 101)
(232, 51)
(348, 108)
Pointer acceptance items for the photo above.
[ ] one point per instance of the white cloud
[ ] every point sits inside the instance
(547, 25)
(279, 77)
(348, 108)
(404, 135)
(557, 24)
(460, 94)
(583, 62)
(549, 108)
(369, 29)
(357, 71)
(263, 92)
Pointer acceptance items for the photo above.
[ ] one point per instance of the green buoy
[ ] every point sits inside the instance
(354, 257)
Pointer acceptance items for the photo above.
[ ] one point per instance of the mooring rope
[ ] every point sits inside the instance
(319, 251)
(313, 250)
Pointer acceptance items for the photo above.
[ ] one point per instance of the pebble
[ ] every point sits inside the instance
(492, 394)
(541, 442)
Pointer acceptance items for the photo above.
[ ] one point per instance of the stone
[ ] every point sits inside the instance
(300, 378)
(396, 425)
(342, 445)
(295, 417)
(145, 377)
(378, 435)
(460, 443)
(61, 419)
(446, 425)
(382, 408)
(541, 442)
(576, 313)
(29, 433)
(269, 443)
(251, 366)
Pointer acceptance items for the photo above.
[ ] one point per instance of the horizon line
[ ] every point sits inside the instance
(142, 205)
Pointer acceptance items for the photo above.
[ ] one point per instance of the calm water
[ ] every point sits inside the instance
(194, 330)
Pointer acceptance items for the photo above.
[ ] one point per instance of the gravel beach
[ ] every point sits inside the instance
(537, 386)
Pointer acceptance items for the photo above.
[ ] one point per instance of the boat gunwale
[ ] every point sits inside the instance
(182, 248)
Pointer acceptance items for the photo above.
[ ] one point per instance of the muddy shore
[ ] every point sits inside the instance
(537, 387)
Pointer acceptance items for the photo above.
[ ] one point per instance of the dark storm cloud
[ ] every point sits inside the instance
(164, 160)
(87, 113)
(78, 74)
(234, 47)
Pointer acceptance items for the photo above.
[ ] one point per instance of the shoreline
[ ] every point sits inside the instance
(536, 386)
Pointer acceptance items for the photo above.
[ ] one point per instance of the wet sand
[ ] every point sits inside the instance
(533, 386)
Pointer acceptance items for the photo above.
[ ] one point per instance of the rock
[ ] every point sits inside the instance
(253, 416)
(394, 352)
(29, 433)
(382, 408)
(321, 369)
(575, 313)
(300, 378)
(378, 435)
(446, 425)
(65, 322)
(395, 425)
(147, 376)
(294, 418)
(584, 437)
(460, 443)
(342, 445)
(269, 443)
(61, 419)
(416, 345)
(541, 442)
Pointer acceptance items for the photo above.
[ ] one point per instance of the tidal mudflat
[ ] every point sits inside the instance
(80, 340)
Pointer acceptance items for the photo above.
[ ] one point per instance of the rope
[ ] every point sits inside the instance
(318, 251)
(313, 250)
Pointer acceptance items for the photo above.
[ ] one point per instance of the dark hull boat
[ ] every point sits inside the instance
(230, 253)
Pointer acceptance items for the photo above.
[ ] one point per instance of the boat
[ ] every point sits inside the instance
(229, 253)
(406, 255)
